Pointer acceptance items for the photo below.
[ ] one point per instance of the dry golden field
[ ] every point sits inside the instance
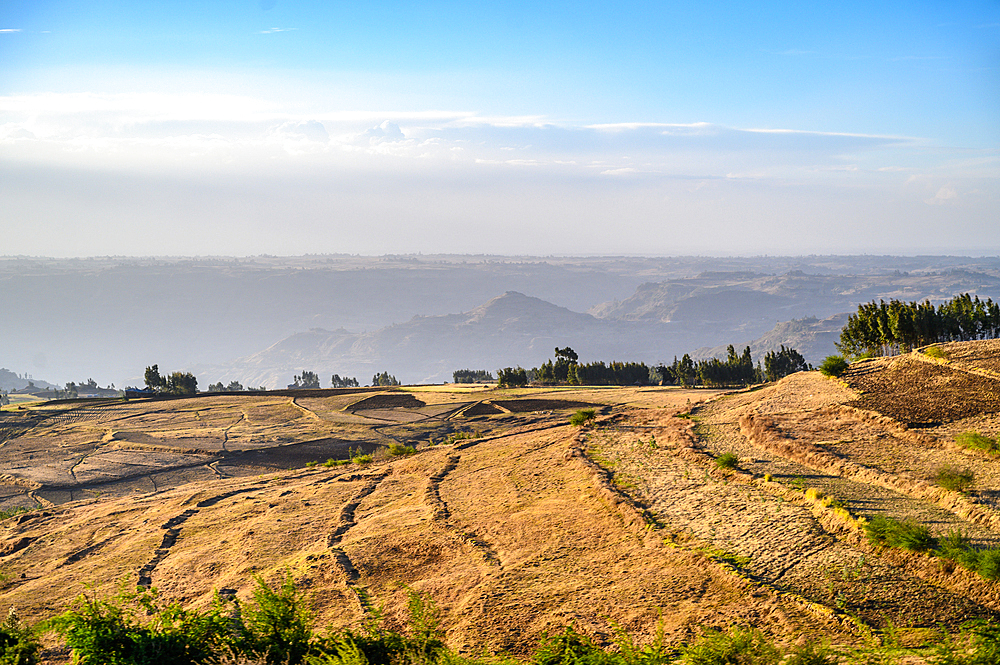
(528, 523)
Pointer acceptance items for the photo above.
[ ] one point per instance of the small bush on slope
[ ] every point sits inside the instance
(833, 366)
(582, 417)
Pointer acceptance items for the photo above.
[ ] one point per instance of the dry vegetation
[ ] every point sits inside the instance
(515, 521)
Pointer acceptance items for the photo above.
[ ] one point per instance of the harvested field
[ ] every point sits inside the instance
(526, 405)
(922, 393)
(532, 524)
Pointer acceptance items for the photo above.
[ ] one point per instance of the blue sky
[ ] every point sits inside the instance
(251, 127)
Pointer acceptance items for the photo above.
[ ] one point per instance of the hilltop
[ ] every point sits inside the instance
(516, 522)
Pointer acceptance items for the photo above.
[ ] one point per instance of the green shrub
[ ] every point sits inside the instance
(811, 653)
(977, 441)
(17, 642)
(400, 449)
(954, 479)
(936, 352)
(582, 417)
(422, 645)
(107, 631)
(833, 366)
(908, 535)
(277, 626)
(336, 462)
(977, 644)
(455, 437)
(738, 646)
(727, 461)
(988, 563)
(571, 648)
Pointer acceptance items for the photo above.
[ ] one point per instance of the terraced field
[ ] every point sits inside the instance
(511, 519)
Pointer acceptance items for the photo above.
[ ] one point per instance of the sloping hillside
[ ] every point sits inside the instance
(528, 523)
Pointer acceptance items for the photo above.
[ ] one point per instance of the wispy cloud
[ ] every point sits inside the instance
(273, 30)
(10, 29)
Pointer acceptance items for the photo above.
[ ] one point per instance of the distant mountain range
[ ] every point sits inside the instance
(261, 320)
(511, 329)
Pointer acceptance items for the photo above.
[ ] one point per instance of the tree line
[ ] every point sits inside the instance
(736, 370)
(889, 328)
(472, 376)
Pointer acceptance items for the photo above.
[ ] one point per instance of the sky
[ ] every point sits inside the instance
(250, 127)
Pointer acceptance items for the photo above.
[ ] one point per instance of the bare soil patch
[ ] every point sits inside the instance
(923, 394)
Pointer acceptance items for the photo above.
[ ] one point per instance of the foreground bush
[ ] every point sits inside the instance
(17, 643)
(737, 646)
(275, 628)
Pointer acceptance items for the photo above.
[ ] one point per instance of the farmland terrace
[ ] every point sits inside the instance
(513, 520)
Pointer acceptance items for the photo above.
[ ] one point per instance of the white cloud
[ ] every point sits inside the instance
(273, 30)
(944, 195)
(10, 29)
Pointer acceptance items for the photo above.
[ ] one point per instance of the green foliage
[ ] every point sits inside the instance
(727, 461)
(182, 383)
(306, 380)
(400, 449)
(956, 480)
(421, 645)
(6, 513)
(936, 352)
(107, 632)
(384, 379)
(278, 625)
(582, 417)
(811, 653)
(737, 646)
(907, 535)
(178, 383)
(886, 328)
(454, 437)
(512, 377)
(615, 373)
(571, 648)
(779, 364)
(833, 366)
(978, 644)
(336, 462)
(233, 387)
(336, 381)
(977, 441)
(472, 376)
(154, 380)
(17, 642)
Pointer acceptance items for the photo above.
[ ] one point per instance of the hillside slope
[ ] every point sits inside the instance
(533, 524)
